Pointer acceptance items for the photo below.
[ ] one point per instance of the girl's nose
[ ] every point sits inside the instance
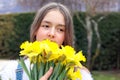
(51, 33)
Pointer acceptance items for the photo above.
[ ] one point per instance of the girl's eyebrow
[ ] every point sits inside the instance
(46, 22)
(61, 25)
(50, 23)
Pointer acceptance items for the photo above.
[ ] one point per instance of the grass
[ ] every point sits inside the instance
(106, 75)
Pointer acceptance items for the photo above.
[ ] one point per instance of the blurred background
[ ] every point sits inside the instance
(97, 30)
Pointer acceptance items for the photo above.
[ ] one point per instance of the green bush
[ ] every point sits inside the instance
(109, 31)
(6, 30)
(16, 28)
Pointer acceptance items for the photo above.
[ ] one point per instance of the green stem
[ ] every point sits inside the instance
(22, 63)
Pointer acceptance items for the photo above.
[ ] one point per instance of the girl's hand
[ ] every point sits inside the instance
(47, 74)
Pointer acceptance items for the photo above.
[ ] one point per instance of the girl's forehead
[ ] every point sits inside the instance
(54, 16)
(54, 11)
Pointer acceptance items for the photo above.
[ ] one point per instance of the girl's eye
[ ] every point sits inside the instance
(60, 30)
(45, 26)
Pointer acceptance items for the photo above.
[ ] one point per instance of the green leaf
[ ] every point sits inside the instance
(58, 71)
(46, 67)
(35, 71)
(62, 75)
(22, 63)
(56, 68)
(41, 69)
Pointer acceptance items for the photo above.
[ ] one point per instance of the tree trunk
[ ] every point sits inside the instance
(89, 39)
(97, 52)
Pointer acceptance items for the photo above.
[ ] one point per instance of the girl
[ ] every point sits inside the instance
(54, 22)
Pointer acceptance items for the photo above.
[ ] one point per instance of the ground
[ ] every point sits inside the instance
(106, 75)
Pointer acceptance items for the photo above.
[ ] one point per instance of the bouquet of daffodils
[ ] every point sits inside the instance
(44, 54)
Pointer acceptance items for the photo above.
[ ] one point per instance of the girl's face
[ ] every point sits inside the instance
(52, 27)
